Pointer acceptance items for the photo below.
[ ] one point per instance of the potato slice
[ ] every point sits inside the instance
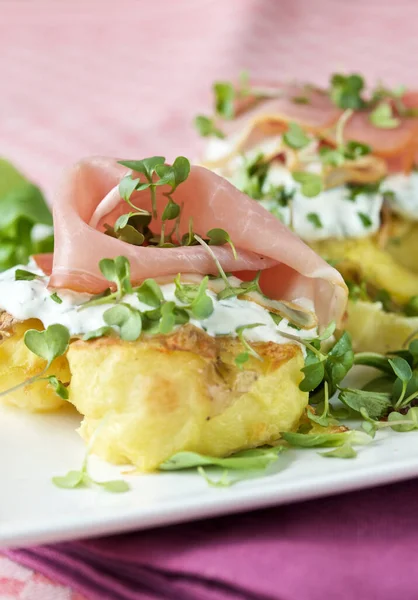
(18, 363)
(376, 266)
(404, 248)
(144, 401)
(374, 330)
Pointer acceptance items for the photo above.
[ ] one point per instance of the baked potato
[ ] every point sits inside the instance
(18, 363)
(144, 401)
(372, 328)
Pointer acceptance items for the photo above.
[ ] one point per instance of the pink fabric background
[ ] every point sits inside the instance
(126, 77)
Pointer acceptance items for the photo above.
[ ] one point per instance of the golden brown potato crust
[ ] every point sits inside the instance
(144, 401)
(18, 363)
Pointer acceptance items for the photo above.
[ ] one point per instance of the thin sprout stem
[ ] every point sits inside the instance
(401, 397)
(26, 382)
(98, 301)
(326, 399)
(216, 261)
(317, 353)
(248, 347)
(153, 200)
(339, 130)
(162, 237)
(408, 399)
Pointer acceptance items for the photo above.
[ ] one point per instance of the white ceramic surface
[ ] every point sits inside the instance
(33, 448)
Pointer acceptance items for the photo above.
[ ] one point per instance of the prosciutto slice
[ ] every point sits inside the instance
(317, 114)
(88, 198)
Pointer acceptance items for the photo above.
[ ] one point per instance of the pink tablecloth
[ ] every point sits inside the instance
(126, 77)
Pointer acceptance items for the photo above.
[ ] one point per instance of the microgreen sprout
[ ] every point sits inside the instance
(22, 275)
(248, 348)
(82, 478)
(206, 127)
(311, 183)
(215, 260)
(48, 345)
(218, 237)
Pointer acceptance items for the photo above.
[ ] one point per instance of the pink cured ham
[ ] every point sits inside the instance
(88, 198)
(398, 146)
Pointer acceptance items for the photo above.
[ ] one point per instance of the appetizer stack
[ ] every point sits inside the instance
(173, 314)
(337, 166)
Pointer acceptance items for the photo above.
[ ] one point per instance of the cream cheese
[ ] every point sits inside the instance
(405, 189)
(32, 300)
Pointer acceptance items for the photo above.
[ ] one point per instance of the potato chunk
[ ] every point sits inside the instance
(374, 330)
(144, 401)
(18, 363)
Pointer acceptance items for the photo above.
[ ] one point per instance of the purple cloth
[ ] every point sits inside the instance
(362, 545)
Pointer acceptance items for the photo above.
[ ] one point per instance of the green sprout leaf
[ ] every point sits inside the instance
(354, 150)
(346, 91)
(71, 480)
(58, 387)
(325, 440)
(115, 486)
(221, 482)
(224, 99)
(201, 306)
(56, 298)
(311, 183)
(218, 237)
(118, 271)
(168, 319)
(171, 211)
(365, 219)
(382, 117)
(295, 137)
(256, 458)
(81, 478)
(127, 186)
(48, 344)
(401, 368)
(344, 451)
(315, 220)
(377, 404)
(128, 320)
(314, 372)
(401, 423)
(149, 292)
(145, 166)
(22, 275)
(206, 127)
(96, 333)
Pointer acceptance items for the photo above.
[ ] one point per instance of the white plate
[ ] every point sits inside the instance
(35, 447)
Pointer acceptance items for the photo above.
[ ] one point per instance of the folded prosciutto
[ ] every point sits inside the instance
(88, 201)
(271, 108)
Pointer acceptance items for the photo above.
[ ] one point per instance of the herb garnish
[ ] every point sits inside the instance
(206, 127)
(22, 275)
(49, 345)
(82, 478)
(252, 460)
(346, 91)
(382, 117)
(311, 183)
(365, 219)
(315, 219)
(295, 137)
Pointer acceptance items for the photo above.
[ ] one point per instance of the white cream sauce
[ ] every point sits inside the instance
(405, 188)
(338, 216)
(32, 299)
